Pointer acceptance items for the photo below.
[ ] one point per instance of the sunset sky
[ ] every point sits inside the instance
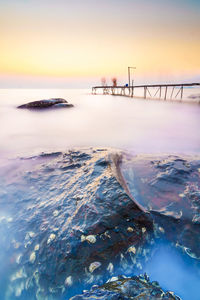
(62, 43)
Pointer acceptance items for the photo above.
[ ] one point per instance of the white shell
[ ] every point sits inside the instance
(143, 230)
(37, 247)
(132, 249)
(93, 266)
(68, 281)
(51, 238)
(110, 267)
(55, 213)
(32, 257)
(130, 229)
(89, 238)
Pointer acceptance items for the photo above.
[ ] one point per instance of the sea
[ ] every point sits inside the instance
(133, 124)
(136, 125)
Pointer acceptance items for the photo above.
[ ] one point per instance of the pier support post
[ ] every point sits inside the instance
(172, 93)
(160, 92)
(165, 92)
(181, 92)
(145, 92)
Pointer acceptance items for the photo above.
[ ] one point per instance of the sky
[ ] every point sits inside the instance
(62, 43)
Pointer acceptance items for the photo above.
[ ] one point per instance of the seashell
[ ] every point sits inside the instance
(68, 281)
(51, 238)
(93, 266)
(32, 257)
(19, 289)
(18, 258)
(37, 247)
(181, 195)
(55, 213)
(144, 229)
(82, 238)
(139, 266)
(18, 275)
(132, 250)
(161, 229)
(130, 229)
(110, 267)
(89, 238)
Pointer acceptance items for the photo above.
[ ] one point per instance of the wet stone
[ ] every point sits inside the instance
(80, 227)
(73, 220)
(137, 287)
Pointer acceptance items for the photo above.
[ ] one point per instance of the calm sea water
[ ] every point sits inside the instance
(96, 120)
(136, 125)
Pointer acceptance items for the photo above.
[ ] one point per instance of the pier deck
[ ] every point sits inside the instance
(161, 92)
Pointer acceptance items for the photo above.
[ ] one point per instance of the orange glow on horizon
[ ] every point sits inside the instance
(91, 46)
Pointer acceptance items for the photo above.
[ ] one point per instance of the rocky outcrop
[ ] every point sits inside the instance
(48, 103)
(74, 223)
(121, 288)
(75, 219)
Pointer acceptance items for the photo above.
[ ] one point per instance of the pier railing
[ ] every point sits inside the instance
(154, 91)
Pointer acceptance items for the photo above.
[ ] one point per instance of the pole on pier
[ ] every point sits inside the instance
(129, 75)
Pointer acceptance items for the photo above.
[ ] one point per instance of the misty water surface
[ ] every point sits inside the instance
(96, 120)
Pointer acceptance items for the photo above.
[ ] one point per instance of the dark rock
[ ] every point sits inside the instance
(75, 223)
(137, 287)
(169, 189)
(53, 102)
(78, 218)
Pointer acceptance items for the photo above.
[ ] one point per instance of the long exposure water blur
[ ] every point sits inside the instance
(137, 126)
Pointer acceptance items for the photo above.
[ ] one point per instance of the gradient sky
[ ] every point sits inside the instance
(57, 43)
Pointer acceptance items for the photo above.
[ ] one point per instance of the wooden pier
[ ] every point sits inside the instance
(150, 91)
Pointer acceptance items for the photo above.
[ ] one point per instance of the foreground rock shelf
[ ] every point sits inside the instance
(75, 219)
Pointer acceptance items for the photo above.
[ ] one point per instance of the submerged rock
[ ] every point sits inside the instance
(137, 287)
(47, 103)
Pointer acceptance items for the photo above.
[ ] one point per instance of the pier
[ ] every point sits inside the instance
(150, 91)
